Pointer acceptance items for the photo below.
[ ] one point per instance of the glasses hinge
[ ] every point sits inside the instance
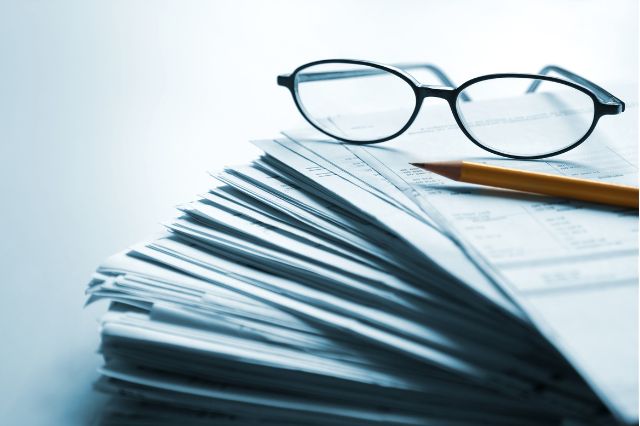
(285, 80)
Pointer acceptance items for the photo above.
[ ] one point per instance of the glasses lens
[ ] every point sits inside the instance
(355, 102)
(524, 116)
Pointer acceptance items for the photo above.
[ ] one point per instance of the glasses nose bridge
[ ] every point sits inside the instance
(447, 93)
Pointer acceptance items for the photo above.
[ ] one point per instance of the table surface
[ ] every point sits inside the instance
(111, 112)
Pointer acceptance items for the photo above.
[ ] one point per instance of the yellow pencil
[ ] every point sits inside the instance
(539, 183)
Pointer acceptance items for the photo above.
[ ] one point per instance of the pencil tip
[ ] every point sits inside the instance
(450, 169)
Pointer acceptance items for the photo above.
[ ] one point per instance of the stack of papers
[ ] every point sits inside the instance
(332, 284)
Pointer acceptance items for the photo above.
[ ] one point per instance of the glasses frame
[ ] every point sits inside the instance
(604, 102)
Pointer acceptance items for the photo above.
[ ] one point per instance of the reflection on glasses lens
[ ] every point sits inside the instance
(354, 102)
(517, 116)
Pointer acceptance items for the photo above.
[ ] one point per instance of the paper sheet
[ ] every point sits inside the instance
(571, 265)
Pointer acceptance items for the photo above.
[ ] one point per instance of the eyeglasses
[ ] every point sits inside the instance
(524, 116)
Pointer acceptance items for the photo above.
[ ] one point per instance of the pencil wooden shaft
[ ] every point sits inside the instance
(542, 183)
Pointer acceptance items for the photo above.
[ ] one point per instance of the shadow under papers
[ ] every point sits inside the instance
(510, 162)
(553, 162)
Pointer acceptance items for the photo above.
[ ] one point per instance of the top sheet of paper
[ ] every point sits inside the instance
(571, 265)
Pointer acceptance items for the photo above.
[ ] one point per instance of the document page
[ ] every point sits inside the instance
(572, 266)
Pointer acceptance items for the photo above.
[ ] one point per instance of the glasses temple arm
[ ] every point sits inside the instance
(602, 95)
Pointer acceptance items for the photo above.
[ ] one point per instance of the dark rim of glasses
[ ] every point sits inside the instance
(606, 104)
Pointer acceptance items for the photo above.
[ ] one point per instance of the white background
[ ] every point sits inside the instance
(111, 112)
